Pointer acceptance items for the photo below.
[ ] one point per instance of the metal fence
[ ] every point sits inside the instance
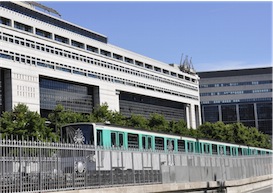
(30, 166)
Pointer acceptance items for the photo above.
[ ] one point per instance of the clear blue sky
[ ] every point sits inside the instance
(217, 35)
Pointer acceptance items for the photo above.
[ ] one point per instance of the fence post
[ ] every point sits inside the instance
(20, 170)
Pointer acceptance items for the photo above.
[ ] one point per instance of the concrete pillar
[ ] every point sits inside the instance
(237, 112)
(110, 96)
(220, 113)
(192, 115)
(188, 115)
(22, 86)
(256, 116)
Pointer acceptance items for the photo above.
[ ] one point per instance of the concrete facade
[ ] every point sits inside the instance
(37, 45)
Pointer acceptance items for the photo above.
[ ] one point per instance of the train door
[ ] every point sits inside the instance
(146, 142)
(117, 139)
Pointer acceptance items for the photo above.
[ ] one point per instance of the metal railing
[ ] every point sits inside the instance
(31, 166)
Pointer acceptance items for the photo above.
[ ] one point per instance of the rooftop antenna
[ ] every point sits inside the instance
(181, 59)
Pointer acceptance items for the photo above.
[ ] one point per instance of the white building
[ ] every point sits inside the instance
(45, 61)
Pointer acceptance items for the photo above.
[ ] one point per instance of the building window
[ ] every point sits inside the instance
(211, 114)
(43, 33)
(116, 56)
(229, 113)
(105, 53)
(23, 27)
(61, 39)
(129, 60)
(77, 44)
(5, 21)
(92, 49)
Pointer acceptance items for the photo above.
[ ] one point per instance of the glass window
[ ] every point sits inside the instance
(61, 39)
(5, 21)
(229, 113)
(246, 111)
(99, 138)
(133, 140)
(159, 143)
(43, 33)
(181, 145)
(211, 114)
(23, 27)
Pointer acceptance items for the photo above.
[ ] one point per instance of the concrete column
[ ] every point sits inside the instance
(237, 113)
(22, 86)
(256, 116)
(110, 96)
(193, 117)
(220, 113)
(188, 115)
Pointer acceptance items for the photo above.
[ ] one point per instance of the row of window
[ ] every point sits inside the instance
(236, 92)
(83, 72)
(74, 43)
(52, 21)
(236, 101)
(236, 84)
(71, 55)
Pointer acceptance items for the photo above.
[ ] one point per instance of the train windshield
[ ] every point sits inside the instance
(79, 133)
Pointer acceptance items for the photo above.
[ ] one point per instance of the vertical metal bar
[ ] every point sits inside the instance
(99, 164)
(142, 161)
(133, 168)
(122, 166)
(111, 167)
(20, 169)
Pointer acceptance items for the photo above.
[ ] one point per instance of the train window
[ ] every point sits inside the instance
(159, 143)
(181, 145)
(206, 148)
(227, 150)
(120, 140)
(113, 139)
(234, 151)
(190, 146)
(132, 140)
(214, 149)
(146, 142)
(116, 139)
(99, 137)
(240, 151)
(78, 134)
(221, 150)
(170, 145)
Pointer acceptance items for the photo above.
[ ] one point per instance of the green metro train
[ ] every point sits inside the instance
(109, 136)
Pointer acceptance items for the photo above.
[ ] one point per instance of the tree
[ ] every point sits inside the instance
(137, 121)
(23, 123)
(157, 122)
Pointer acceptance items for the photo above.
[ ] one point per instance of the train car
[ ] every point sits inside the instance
(110, 136)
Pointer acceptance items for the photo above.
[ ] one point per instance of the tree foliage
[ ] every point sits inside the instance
(23, 123)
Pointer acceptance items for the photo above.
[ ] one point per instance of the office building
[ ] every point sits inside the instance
(45, 61)
(243, 95)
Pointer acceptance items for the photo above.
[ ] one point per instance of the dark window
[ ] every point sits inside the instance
(99, 138)
(159, 143)
(5, 21)
(77, 44)
(92, 49)
(43, 33)
(211, 114)
(190, 147)
(23, 27)
(116, 56)
(61, 39)
(229, 113)
(227, 150)
(113, 139)
(181, 145)
(246, 111)
(133, 140)
(105, 53)
(214, 149)
(129, 60)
